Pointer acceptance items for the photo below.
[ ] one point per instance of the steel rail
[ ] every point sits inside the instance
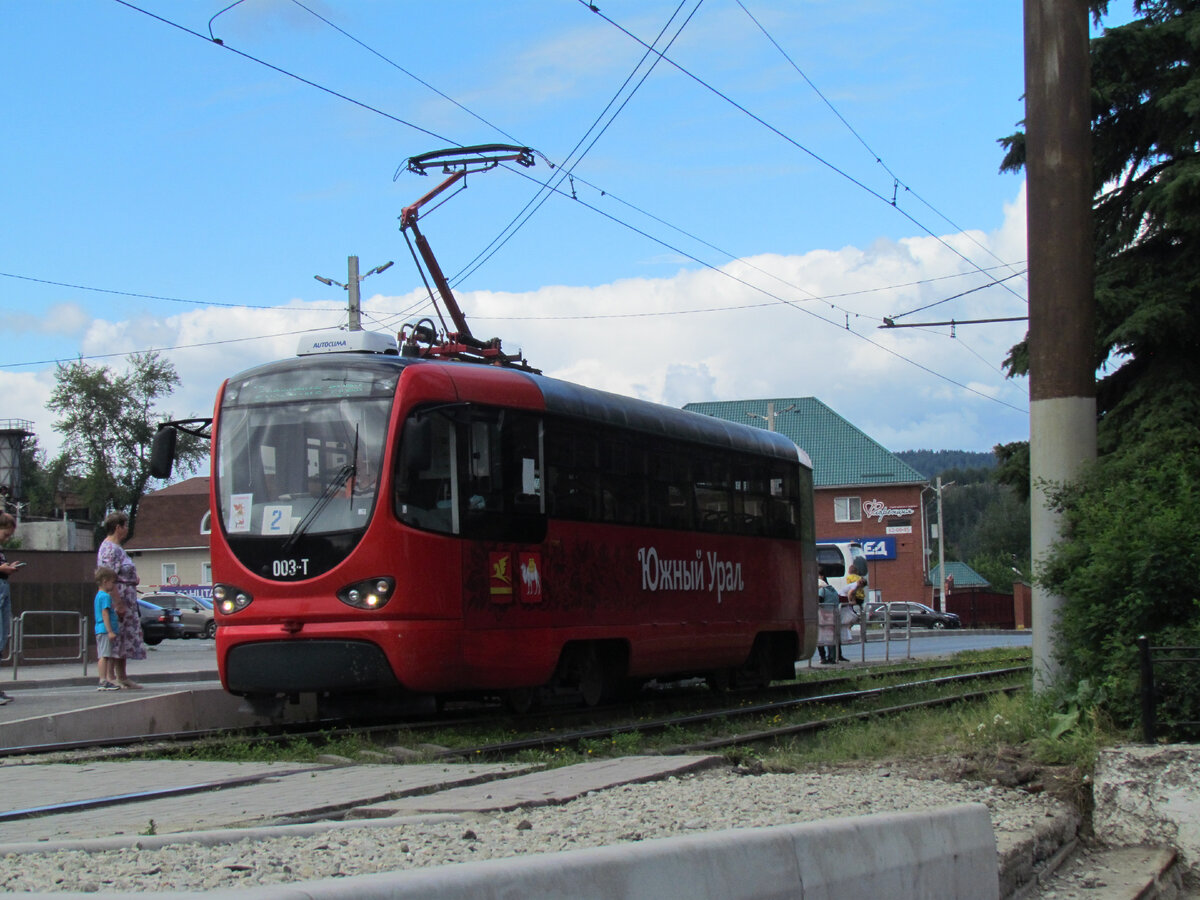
(70, 806)
(136, 744)
(819, 724)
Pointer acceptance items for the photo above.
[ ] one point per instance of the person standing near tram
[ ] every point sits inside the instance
(8, 527)
(128, 644)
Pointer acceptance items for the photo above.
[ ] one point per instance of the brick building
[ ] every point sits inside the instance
(171, 536)
(863, 492)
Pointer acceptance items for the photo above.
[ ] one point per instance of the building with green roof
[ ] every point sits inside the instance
(863, 491)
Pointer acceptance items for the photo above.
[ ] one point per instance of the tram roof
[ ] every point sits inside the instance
(579, 402)
(590, 404)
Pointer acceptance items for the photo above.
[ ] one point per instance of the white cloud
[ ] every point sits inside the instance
(911, 387)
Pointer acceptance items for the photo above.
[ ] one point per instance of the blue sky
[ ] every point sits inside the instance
(709, 253)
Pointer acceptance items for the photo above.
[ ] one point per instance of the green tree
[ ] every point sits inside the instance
(1145, 134)
(108, 420)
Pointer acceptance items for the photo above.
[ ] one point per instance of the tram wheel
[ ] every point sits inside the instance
(719, 681)
(520, 700)
(591, 679)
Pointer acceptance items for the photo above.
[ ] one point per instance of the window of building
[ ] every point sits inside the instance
(206, 573)
(169, 571)
(847, 509)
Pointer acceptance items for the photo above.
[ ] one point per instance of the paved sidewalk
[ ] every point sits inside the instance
(59, 704)
(179, 660)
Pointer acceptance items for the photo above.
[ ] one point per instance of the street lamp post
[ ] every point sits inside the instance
(771, 414)
(351, 285)
(941, 544)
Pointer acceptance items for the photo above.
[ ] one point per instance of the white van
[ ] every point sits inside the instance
(837, 559)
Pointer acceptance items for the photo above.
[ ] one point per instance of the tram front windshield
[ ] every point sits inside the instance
(299, 448)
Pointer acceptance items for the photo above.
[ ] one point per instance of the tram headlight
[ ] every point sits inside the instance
(230, 599)
(370, 593)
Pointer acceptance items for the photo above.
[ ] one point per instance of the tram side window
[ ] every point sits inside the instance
(713, 494)
(670, 487)
(423, 484)
(622, 481)
(782, 505)
(502, 476)
(612, 475)
(750, 498)
(572, 460)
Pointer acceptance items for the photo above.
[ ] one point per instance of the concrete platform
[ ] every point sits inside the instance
(941, 853)
(59, 703)
(273, 793)
(277, 793)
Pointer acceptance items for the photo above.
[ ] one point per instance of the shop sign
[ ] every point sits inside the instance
(877, 509)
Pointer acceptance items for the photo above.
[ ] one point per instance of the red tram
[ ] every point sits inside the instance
(392, 522)
(385, 526)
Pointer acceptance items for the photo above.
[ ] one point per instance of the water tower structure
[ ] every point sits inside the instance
(13, 433)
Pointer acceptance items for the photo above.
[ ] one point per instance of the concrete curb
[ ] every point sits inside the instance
(34, 683)
(949, 852)
(1041, 852)
(135, 712)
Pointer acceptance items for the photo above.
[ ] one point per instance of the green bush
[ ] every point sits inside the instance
(1127, 566)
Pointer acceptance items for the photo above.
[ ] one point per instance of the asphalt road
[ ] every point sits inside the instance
(927, 642)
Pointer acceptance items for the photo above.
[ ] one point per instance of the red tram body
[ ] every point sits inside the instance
(386, 526)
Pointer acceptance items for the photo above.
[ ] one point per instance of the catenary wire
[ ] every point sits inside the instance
(84, 287)
(426, 131)
(799, 146)
(115, 354)
(879, 159)
(572, 174)
(567, 167)
(613, 218)
(262, 62)
(956, 296)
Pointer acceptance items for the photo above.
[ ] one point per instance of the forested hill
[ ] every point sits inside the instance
(932, 463)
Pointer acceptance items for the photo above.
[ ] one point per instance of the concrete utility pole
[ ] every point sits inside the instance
(771, 414)
(351, 285)
(1062, 332)
(941, 545)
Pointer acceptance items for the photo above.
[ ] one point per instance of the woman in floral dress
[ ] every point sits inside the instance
(128, 643)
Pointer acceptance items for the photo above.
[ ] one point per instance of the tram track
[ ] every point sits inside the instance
(500, 750)
(560, 739)
(792, 694)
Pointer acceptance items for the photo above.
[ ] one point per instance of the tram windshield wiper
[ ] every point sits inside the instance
(344, 474)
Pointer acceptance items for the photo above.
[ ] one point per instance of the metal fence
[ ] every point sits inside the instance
(834, 624)
(1169, 697)
(57, 636)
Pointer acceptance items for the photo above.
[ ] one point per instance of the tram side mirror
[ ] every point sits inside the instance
(418, 439)
(162, 452)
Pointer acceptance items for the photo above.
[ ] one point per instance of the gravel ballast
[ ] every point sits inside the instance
(708, 801)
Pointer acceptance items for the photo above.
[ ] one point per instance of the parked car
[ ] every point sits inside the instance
(919, 614)
(195, 614)
(158, 623)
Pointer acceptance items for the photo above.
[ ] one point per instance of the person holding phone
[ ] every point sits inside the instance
(8, 527)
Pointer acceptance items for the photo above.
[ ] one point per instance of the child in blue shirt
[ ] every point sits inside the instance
(106, 628)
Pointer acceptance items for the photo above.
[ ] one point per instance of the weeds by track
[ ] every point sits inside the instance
(787, 716)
